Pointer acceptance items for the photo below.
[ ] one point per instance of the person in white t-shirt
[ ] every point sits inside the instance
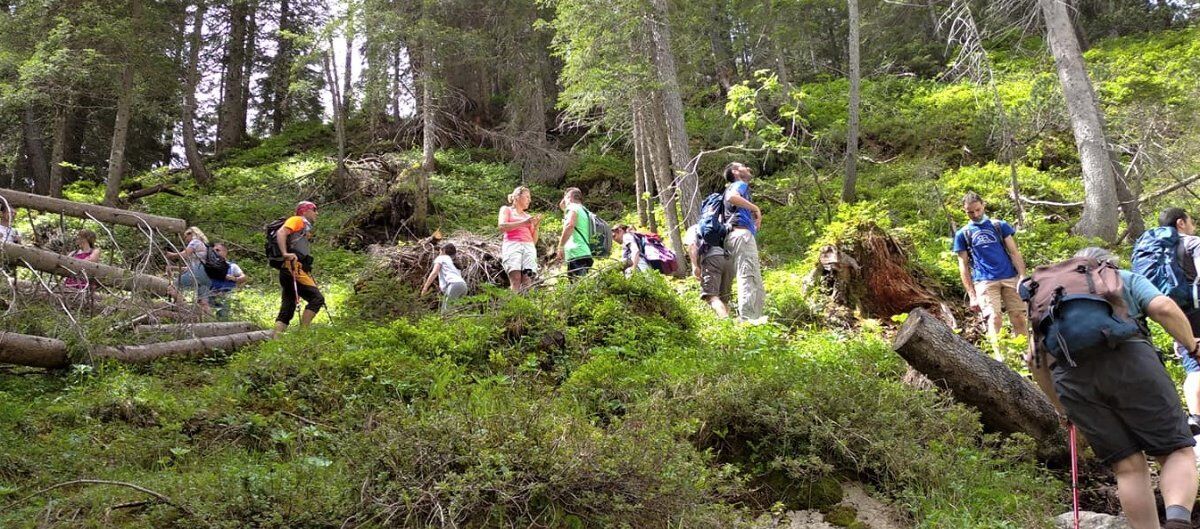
(449, 279)
(8, 233)
(631, 249)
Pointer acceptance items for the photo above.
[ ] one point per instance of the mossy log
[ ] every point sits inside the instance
(192, 347)
(32, 351)
(198, 330)
(1006, 401)
(65, 266)
(18, 199)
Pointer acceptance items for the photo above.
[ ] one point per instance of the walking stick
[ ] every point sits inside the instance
(1074, 474)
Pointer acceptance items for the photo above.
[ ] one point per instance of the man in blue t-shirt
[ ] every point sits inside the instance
(990, 266)
(742, 244)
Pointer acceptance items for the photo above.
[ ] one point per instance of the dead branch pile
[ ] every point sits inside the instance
(478, 259)
(869, 271)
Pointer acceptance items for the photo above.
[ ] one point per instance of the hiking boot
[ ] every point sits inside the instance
(1177, 524)
(1194, 424)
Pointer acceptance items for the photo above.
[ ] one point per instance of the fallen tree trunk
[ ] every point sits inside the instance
(65, 266)
(1006, 401)
(152, 190)
(32, 351)
(198, 330)
(124, 217)
(189, 348)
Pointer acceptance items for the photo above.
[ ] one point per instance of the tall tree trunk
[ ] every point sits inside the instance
(281, 69)
(1087, 122)
(339, 117)
(722, 52)
(429, 136)
(35, 151)
(231, 119)
(660, 154)
(781, 68)
(190, 149)
(639, 171)
(848, 185)
(251, 58)
(116, 153)
(348, 68)
(58, 150)
(672, 112)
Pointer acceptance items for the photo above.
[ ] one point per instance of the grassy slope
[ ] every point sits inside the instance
(611, 402)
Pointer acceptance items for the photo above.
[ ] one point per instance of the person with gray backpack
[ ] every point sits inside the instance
(584, 235)
(1091, 355)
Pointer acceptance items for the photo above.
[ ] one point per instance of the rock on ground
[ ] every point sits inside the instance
(870, 512)
(1090, 520)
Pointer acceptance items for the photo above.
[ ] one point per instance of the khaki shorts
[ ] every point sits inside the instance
(998, 294)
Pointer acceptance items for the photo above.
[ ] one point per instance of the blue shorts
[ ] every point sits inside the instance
(1190, 365)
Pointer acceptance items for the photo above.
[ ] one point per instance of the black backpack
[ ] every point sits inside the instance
(274, 256)
(215, 266)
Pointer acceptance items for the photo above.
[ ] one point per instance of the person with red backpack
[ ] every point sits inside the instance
(293, 241)
(1169, 256)
(1091, 355)
(990, 265)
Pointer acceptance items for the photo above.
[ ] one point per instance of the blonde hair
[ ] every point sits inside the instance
(512, 197)
(197, 234)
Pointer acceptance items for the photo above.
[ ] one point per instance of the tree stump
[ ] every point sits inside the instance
(1006, 401)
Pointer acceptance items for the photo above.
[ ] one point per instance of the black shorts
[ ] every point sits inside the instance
(716, 277)
(1124, 402)
(576, 268)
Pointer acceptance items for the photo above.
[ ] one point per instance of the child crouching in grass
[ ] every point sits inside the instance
(450, 280)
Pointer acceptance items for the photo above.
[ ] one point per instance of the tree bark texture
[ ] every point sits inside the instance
(123, 217)
(189, 348)
(190, 148)
(198, 330)
(1087, 122)
(672, 113)
(231, 115)
(661, 163)
(848, 184)
(32, 351)
(1006, 401)
(639, 173)
(62, 265)
(116, 152)
(281, 69)
(35, 151)
(58, 149)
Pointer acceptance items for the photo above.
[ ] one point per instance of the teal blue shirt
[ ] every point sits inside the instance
(1138, 293)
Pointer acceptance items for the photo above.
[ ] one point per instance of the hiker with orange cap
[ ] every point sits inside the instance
(293, 238)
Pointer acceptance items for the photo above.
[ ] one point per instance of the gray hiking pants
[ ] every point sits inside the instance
(453, 292)
(743, 247)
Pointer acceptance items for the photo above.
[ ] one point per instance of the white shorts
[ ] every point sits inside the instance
(518, 256)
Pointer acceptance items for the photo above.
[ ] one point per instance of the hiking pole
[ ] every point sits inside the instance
(1074, 474)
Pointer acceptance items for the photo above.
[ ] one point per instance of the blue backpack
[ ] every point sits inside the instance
(1156, 256)
(713, 225)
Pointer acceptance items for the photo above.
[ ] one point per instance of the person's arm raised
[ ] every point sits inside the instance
(502, 220)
